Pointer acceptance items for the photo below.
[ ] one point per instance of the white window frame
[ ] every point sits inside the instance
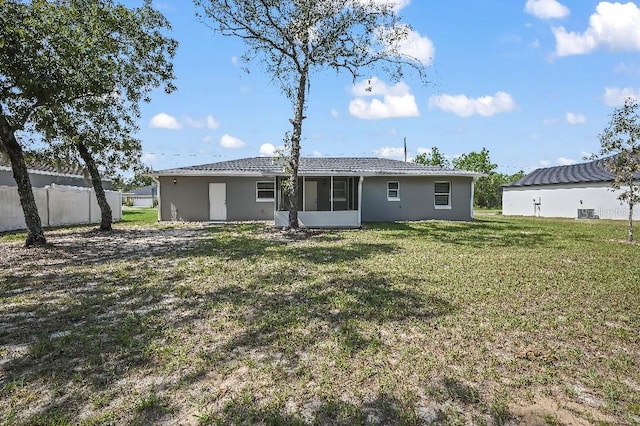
(397, 191)
(436, 194)
(258, 190)
(339, 194)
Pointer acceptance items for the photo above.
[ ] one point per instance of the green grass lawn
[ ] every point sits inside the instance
(498, 321)
(139, 215)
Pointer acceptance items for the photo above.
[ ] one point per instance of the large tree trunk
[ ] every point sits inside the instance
(35, 235)
(105, 209)
(294, 160)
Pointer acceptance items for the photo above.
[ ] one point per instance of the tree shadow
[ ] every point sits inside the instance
(84, 326)
(273, 322)
(477, 234)
(383, 409)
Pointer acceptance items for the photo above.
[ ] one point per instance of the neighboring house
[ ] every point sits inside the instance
(574, 191)
(42, 175)
(145, 196)
(334, 192)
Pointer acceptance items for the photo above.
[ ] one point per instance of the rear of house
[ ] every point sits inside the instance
(335, 192)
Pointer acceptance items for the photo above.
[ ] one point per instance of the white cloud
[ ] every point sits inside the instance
(419, 47)
(235, 61)
(545, 163)
(335, 113)
(397, 101)
(208, 121)
(615, 96)
(614, 26)
(269, 150)
(630, 69)
(207, 138)
(424, 151)
(390, 152)
(192, 122)
(464, 106)
(546, 9)
(406, 42)
(316, 154)
(565, 161)
(212, 123)
(573, 118)
(164, 121)
(227, 141)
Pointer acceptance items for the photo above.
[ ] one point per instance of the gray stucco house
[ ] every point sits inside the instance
(335, 192)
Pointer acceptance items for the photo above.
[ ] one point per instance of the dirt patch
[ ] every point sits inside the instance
(545, 411)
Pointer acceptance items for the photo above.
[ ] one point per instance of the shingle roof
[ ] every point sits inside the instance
(144, 190)
(269, 166)
(593, 171)
(75, 170)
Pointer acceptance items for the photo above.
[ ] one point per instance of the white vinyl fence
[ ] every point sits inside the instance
(57, 206)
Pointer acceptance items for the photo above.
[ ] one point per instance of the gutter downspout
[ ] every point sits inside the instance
(156, 179)
(360, 182)
(473, 190)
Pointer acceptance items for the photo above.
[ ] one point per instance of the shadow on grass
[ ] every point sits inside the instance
(384, 409)
(477, 234)
(76, 332)
(345, 311)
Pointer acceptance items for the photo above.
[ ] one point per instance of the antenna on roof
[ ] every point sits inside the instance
(405, 149)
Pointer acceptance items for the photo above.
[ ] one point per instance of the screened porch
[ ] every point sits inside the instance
(324, 201)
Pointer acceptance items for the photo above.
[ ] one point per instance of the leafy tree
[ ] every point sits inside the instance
(294, 38)
(63, 59)
(475, 162)
(488, 189)
(620, 144)
(141, 177)
(435, 158)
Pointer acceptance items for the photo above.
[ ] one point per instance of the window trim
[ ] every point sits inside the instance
(448, 194)
(258, 190)
(397, 190)
(342, 190)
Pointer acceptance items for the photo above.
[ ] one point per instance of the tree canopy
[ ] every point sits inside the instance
(65, 66)
(291, 39)
(620, 144)
(433, 158)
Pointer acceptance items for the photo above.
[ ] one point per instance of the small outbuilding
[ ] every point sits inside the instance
(335, 192)
(581, 191)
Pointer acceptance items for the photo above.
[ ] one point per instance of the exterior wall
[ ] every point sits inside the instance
(565, 200)
(56, 206)
(416, 199)
(40, 180)
(188, 198)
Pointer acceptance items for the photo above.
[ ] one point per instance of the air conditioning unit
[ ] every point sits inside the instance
(587, 214)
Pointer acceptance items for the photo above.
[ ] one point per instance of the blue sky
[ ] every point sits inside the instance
(533, 81)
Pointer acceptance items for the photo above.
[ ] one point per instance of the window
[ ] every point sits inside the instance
(265, 191)
(442, 195)
(393, 191)
(339, 190)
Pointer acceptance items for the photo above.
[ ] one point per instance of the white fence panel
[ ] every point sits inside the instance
(68, 206)
(57, 206)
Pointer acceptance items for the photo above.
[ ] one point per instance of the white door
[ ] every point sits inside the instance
(310, 195)
(217, 201)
